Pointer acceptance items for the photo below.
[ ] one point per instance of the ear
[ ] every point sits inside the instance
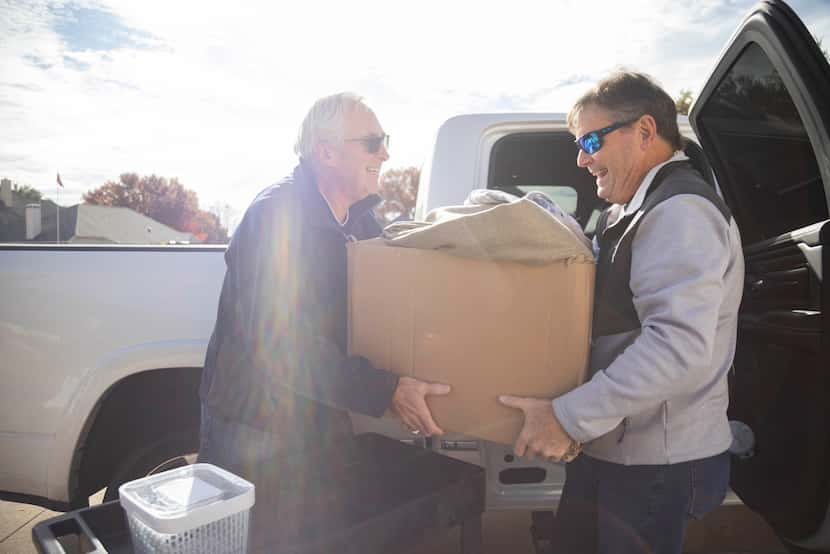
(646, 131)
(324, 153)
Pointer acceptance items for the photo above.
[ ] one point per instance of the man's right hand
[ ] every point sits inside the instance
(409, 402)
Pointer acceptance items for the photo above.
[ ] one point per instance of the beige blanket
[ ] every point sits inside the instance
(519, 231)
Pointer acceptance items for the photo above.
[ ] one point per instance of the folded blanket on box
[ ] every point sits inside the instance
(516, 230)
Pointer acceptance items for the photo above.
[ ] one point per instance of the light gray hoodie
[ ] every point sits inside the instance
(658, 394)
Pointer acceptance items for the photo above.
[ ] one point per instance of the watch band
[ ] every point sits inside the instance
(574, 448)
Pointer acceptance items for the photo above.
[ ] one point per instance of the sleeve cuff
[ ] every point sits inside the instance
(380, 390)
(584, 413)
(560, 410)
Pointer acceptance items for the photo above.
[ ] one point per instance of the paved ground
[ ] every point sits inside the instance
(728, 530)
(16, 522)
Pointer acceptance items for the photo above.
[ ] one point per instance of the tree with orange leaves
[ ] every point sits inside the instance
(399, 189)
(166, 201)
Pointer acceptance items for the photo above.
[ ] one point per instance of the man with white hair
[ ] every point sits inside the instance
(277, 385)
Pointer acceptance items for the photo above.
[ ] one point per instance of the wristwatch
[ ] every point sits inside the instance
(574, 448)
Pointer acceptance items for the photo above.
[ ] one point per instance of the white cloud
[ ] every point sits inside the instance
(217, 98)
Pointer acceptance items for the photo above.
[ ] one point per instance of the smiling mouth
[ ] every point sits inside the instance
(373, 170)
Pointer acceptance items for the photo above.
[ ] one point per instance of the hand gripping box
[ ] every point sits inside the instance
(486, 328)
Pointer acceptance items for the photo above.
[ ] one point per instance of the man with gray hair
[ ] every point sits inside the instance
(651, 420)
(277, 384)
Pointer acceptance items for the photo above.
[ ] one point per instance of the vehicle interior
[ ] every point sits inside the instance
(546, 162)
(524, 162)
(755, 123)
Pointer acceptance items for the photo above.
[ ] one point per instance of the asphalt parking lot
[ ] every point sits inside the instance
(730, 529)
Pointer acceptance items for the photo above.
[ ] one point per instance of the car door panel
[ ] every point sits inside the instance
(763, 120)
(778, 388)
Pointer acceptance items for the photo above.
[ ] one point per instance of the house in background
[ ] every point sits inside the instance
(12, 208)
(23, 221)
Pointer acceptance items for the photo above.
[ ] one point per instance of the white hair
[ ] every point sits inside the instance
(326, 121)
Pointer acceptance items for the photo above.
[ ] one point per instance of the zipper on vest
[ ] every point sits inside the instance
(624, 427)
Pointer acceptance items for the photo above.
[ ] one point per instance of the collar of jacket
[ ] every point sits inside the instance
(318, 209)
(621, 211)
(645, 185)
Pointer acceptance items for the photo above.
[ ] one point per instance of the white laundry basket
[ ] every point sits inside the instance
(196, 509)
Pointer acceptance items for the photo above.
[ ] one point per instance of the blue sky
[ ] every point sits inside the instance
(212, 93)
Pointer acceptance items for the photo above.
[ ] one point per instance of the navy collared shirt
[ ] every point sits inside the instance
(277, 357)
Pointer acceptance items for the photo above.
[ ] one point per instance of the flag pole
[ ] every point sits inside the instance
(58, 187)
(58, 213)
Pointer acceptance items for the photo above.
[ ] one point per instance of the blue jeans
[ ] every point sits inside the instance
(611, 508)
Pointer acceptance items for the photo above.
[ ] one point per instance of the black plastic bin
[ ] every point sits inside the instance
(393, 493)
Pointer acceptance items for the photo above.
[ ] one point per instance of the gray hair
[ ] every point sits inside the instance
(326, 121)
(627, 95)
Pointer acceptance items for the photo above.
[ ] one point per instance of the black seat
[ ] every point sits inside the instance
(698, 159)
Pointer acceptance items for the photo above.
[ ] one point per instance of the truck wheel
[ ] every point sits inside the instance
(792, 549)
(169, 452)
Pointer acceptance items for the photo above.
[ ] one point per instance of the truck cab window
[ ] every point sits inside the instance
(759, 138)
(546, 162)
(565, 196)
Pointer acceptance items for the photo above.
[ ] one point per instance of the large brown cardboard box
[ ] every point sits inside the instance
(485, 328)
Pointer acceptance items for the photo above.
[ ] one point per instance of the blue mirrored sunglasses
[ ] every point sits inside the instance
(372, 142)
(591, 142)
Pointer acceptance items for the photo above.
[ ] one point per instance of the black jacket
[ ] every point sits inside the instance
(276, 359)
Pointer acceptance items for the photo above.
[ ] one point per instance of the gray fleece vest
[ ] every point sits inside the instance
(614, 310)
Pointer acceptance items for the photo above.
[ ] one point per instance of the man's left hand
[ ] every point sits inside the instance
(542, 434)
(409, 402)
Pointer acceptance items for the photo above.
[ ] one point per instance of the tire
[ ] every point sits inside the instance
(792, 549)
(168, 452)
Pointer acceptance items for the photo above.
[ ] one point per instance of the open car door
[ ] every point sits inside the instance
(763, 120)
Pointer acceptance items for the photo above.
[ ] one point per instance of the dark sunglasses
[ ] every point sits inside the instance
(372, 142)
(591, 142)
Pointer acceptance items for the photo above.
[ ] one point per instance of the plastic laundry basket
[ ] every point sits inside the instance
(196, 509)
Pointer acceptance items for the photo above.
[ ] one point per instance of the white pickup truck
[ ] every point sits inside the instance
(101, 347)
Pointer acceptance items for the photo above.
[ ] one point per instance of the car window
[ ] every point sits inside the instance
(545, 162)
(764, 150)
(565, 196)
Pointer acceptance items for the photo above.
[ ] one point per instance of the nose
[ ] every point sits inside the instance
(383, 153)
(583, 159)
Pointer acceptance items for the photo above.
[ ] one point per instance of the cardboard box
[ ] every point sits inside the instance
(485, 328)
